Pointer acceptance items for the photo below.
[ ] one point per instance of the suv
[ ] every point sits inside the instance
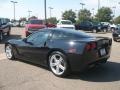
(5, 27)
(116, 34)
(91, 26)
(34, 25)
(65, 24)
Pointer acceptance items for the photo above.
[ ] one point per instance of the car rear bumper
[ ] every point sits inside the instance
(82, 62)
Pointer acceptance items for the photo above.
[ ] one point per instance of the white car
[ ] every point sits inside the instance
(65, 24)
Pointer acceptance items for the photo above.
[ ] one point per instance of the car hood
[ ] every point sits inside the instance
(35, 26)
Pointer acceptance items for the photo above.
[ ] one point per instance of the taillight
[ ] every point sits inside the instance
(91, 46)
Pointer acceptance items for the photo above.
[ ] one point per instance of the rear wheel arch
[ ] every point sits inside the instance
(64, 56)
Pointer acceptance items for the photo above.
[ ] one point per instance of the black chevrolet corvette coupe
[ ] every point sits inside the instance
(62, 50)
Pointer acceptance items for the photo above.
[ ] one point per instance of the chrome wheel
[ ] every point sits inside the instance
(8, 51)
(57, 64)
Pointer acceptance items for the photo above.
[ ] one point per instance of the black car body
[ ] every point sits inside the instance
(91, 26)
(78, 49)
(4, 27)
(116, 34)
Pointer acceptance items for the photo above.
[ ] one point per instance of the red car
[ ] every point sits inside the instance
(34, 25)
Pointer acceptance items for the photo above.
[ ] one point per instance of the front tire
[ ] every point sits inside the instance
(58, 64)
(9, 52)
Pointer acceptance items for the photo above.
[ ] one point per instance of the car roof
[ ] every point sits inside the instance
(63, 30)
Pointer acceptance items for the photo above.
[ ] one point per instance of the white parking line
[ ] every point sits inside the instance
(2, 56)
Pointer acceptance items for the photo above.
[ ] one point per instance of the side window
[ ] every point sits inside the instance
(38, 38)
(84, 23)
(88, 24)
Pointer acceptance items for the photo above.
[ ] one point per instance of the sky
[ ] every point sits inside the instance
(59, 6)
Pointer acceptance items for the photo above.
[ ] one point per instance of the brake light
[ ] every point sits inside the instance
(91, 46)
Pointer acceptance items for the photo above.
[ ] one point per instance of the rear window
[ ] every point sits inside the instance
(71, 34)
(35, 22)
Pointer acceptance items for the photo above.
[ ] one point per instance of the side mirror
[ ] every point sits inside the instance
(25, 39)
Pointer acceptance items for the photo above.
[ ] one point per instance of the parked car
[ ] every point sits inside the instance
(116, 34)
(100, 26)
(4, 27)
(62, 50)
(33, 25)
(91, 26)
(65, 24)
(15, 23)
(22, 23)
(112, 27)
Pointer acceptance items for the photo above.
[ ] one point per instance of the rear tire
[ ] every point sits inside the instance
(58, 64)
(1, 36)
(8, 33)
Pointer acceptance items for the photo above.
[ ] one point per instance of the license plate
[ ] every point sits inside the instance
(103, 52)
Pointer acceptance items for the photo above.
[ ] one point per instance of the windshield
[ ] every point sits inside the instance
(35, 22)
(66, 22)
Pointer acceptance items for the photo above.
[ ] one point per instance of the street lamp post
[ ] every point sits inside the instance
(93, 11)
(82, 4)
(14, 2)
(29, 13)
(98, 9)
(114, 10)
(45, 11)
(50, 11)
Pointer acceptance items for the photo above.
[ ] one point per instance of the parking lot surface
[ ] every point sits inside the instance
(19, 75)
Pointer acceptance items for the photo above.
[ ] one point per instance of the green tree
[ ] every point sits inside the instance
(104, 14)
(84, 15)
(52, 20)
(117, 20)
(69, 15)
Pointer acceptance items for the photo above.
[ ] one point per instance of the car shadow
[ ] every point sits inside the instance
(6, 38)
(105, 73)
(108, 72)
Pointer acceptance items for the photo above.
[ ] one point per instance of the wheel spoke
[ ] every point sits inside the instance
(62, 67)
(60, 59)
(8, 52)
(57, 69)
(53, 64)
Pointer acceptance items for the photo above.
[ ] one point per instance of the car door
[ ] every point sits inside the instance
(34, 47)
